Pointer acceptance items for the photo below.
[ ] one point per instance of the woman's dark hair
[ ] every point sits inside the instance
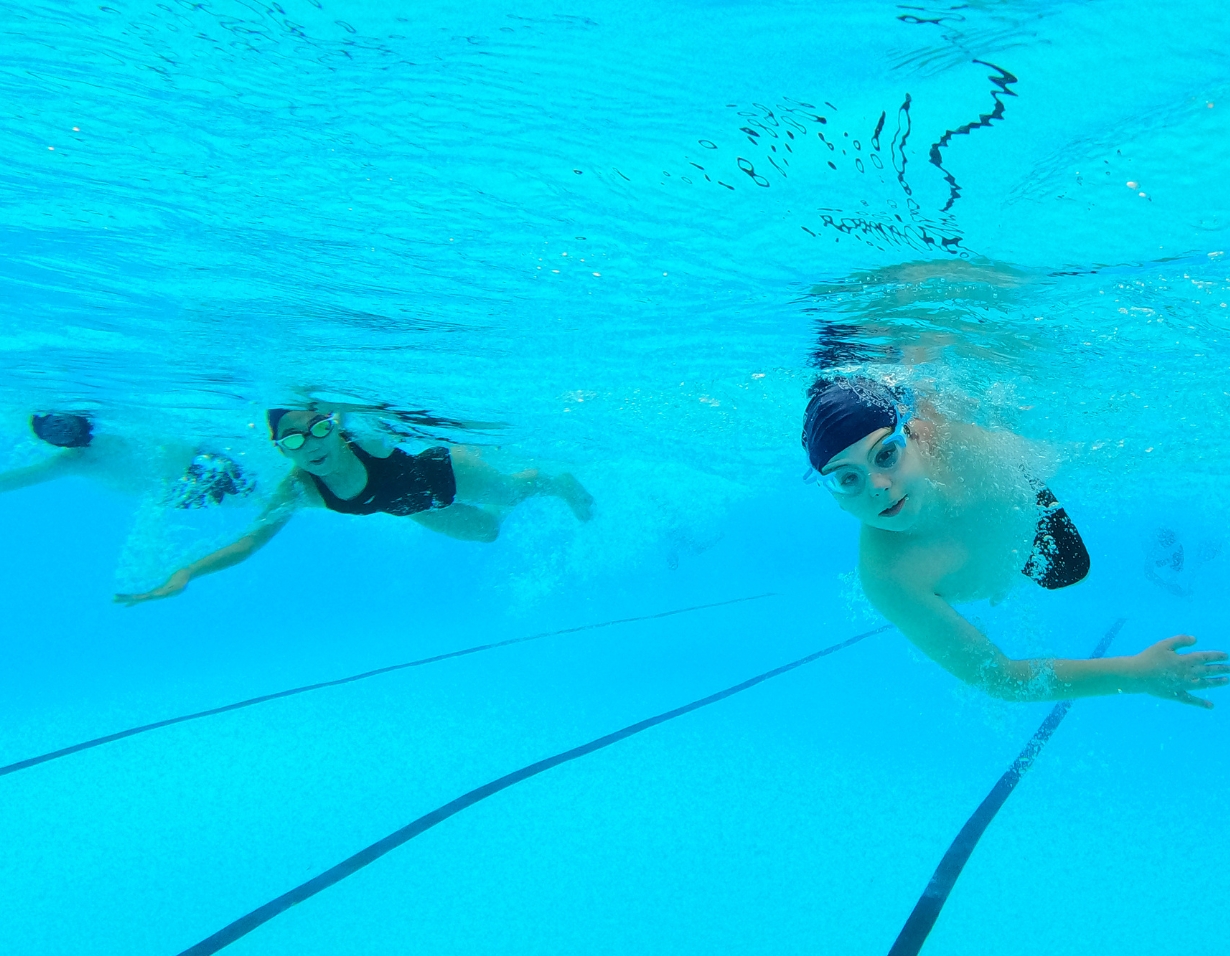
(273, 416)
(63, 430)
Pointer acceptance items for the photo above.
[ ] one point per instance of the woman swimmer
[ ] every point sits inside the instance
(451, 491)
(950, 515)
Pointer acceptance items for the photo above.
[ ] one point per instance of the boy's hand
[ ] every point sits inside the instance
(1164, 672)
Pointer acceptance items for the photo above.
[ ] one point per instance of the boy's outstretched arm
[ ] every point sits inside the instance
(941, 633)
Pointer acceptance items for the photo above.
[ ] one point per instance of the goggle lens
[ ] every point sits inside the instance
(890, 451)
(849, 481)
(321, 428)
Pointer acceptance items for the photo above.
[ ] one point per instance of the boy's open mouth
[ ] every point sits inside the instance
(894, 509)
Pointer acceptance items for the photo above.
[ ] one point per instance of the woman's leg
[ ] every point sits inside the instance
(477, 481)
(461, 521)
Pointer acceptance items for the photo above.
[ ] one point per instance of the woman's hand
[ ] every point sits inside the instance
(175, 583)
(1164, 672)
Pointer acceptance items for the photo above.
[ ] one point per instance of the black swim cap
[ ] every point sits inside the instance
(843, 411)
(273, 416)
(63, 430)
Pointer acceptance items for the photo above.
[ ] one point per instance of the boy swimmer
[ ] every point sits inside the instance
(951, 515)
(449, 490)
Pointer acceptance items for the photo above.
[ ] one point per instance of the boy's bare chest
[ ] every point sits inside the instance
(972, 560)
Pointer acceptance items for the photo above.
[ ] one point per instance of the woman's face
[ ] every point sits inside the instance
(894, 487)
(317, 455)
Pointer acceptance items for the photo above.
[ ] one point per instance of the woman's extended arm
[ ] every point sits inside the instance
(272, 520)
(936, 628)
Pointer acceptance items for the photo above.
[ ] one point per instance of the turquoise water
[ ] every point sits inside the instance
(490, 225)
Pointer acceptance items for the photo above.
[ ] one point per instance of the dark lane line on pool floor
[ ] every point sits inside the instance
(133, 731)
(927, 910)
(246, 924)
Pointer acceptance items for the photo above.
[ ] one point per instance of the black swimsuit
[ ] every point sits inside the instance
(1059, 557)
(398, 485)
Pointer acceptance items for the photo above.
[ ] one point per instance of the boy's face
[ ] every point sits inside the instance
(891, 481)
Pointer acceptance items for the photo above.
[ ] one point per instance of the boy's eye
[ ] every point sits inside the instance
(848, 479)
(887, 457)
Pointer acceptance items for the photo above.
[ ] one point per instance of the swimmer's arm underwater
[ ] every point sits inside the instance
(60, 464)
(941, 633)
(272, 520)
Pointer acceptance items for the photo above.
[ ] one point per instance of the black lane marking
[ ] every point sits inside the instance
(132, 731)
(927, 910)
(246, 924)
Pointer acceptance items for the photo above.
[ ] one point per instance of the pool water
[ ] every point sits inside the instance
(615, 240)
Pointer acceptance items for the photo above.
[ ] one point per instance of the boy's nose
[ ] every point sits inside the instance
(880, 481)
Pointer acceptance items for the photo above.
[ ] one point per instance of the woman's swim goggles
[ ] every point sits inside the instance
(320, 428)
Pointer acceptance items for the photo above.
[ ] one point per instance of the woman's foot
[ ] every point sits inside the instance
(572, 491)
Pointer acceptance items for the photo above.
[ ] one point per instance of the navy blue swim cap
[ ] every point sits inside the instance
(843, 411)
(273, 416)
(63, 430)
